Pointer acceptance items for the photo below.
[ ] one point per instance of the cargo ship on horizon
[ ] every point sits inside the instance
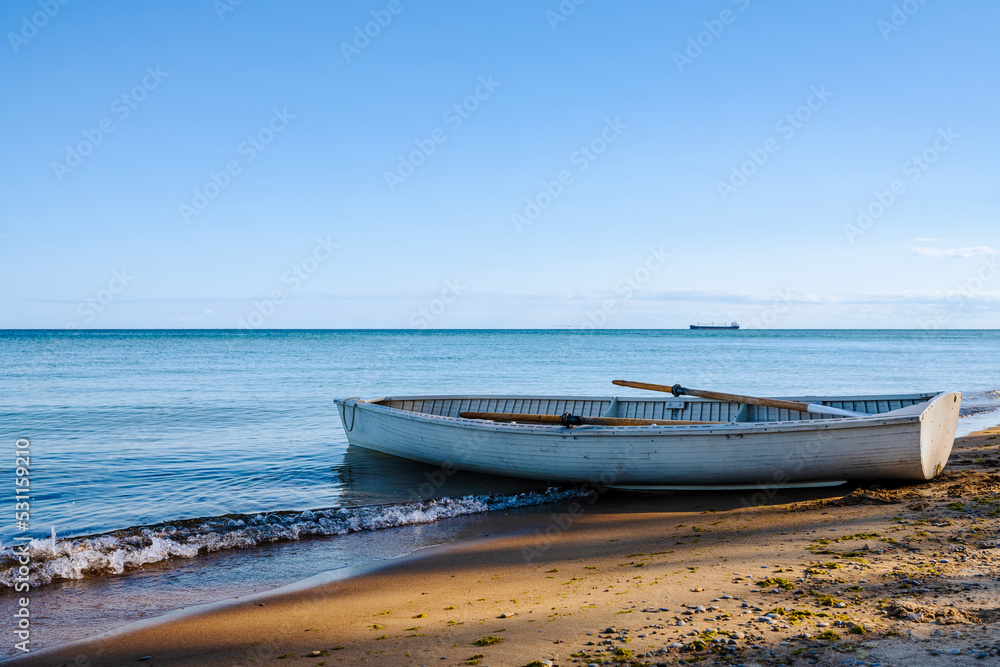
(730, 326)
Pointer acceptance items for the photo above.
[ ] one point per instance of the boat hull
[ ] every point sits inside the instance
(909, 443)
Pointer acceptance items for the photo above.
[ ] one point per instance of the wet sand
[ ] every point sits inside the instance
(904, 574)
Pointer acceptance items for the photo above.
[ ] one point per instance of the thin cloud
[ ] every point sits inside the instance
(921, 239)
(652, 298)
(977, 251)
(928, 297)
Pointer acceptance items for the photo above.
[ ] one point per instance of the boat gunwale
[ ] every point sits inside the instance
(926, 396)
(874, 420)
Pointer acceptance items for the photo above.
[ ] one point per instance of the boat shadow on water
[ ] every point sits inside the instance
(368, 477)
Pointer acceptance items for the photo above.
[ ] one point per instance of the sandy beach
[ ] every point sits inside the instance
(904, 575)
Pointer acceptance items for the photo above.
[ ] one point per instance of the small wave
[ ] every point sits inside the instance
(124, 550)
(979, 402)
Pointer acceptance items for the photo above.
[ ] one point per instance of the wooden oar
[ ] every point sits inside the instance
(574, 420)
(678, 390)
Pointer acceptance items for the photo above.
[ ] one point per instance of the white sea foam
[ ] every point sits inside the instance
(980, 410)
(124, 550)
(979, 402)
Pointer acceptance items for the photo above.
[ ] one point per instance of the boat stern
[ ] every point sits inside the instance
(938, 424)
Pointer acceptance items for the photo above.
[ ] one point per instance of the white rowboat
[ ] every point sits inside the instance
(896, 437)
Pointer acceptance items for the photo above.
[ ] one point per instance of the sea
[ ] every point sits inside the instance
(176, 468)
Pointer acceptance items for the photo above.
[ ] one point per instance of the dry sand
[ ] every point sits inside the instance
(900, 575)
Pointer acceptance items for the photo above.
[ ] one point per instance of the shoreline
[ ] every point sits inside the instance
(642, 567)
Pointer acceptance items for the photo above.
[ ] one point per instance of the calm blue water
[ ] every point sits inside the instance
(135, 428)
(140, 427)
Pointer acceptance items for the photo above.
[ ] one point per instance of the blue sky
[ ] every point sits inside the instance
(517, 164)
